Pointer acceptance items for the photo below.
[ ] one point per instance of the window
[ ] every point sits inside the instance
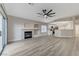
(3, 29)
(3, 32)
(43, 28)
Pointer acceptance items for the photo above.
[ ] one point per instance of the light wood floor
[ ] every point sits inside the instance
(43, 46)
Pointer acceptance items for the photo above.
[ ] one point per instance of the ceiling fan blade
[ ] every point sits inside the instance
(51, 16)
(49, 11)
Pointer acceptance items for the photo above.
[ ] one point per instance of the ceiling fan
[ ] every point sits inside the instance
(45, 13)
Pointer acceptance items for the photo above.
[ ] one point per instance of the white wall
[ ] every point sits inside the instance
(77, 27)
(16, 26)
(77, 30)
(18, 31)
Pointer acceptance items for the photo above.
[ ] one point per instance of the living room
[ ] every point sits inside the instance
(39, 29)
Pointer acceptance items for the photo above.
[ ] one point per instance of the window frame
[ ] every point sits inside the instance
(44, 28)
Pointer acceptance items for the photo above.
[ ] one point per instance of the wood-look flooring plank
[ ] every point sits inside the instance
(43, 46)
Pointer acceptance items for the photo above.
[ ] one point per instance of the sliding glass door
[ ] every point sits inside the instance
(1, 37)
(3, 32)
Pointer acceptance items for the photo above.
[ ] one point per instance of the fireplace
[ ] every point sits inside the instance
(27, 34)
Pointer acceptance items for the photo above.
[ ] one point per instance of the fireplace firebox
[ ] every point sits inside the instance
(27, 34)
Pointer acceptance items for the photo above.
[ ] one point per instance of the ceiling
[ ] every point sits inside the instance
(24, 10)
